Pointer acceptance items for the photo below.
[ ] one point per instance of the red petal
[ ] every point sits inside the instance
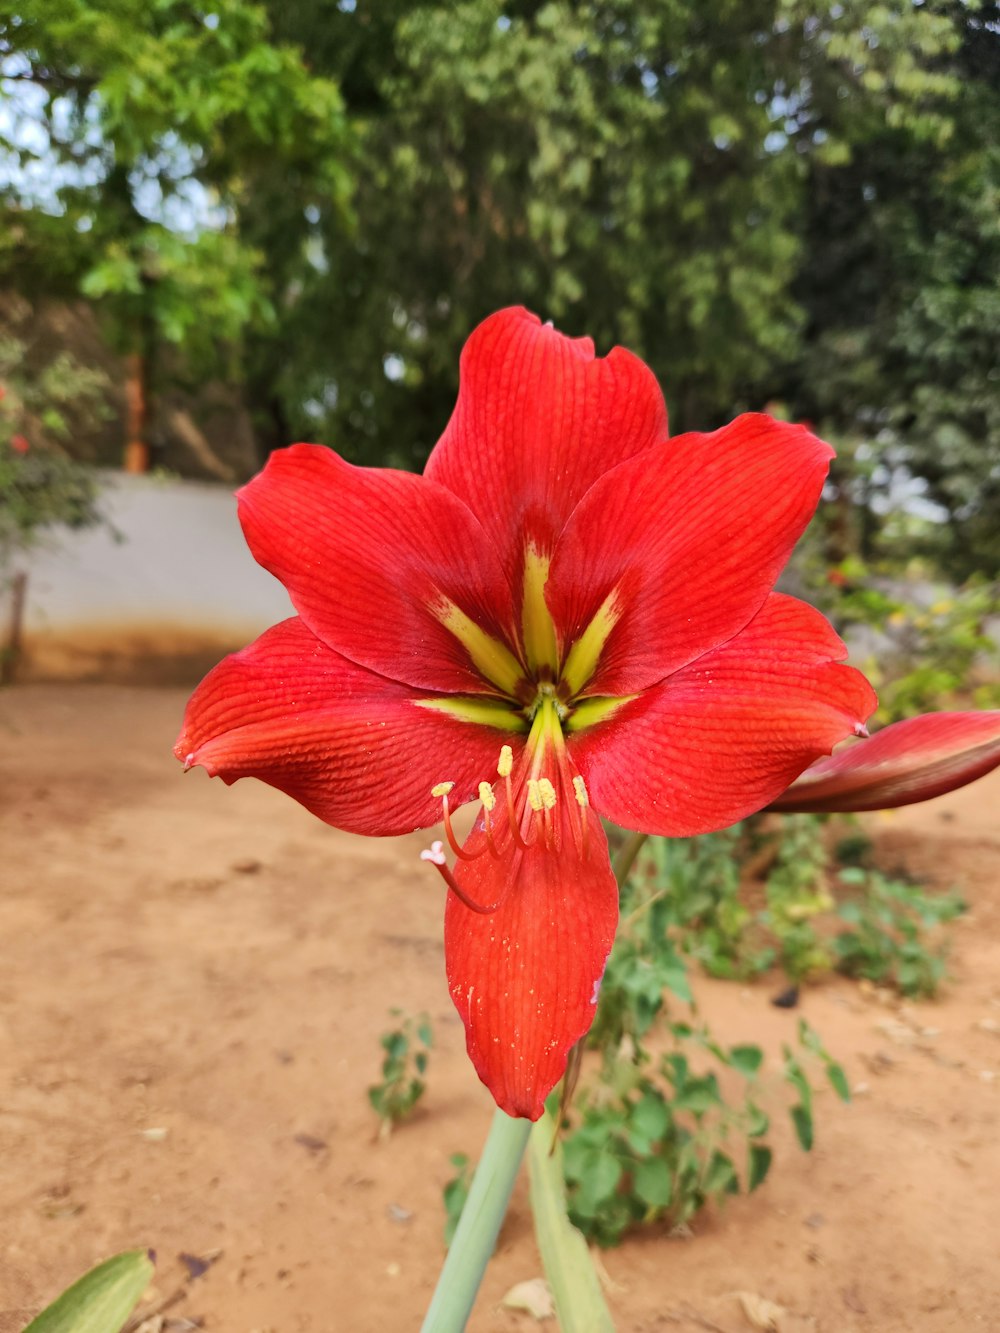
(909, 761)
(724, 736)
(525, 978)
(365, 553)
(693, 536)
(350, 746)
(538, 420)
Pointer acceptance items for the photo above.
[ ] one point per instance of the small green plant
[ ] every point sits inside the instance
(455, 1194)
(693, 899)
(407, 1048)
(658, 1140)
(797, 894)
(655, 1137)
(893, 935)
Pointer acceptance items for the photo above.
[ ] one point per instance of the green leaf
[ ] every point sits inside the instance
(572, 1280)
(758, 1165)
(675, 979)
(599, 1176)
(758, 1121)
(746, 1059)
(653, 1183)
(102, 1300)
(650, 1117)
(721, 1177)
(803, 1122)
(838, 1080)
(699, 1095)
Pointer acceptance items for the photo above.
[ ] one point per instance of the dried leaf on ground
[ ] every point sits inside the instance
(532, 1296)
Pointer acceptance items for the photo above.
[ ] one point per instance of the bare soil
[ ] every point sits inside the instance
(193, 986)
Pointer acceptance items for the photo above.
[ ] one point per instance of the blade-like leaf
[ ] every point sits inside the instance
(102, 1300)
(908, 761)
(572, 1280)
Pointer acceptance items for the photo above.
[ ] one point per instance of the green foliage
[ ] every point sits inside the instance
(924, 645)
(407, 1048)
(763, 892)
(796, 894)
(902, 289)
(161, 129)
(660, 1135)
(804, 210)
(893, 935)
(659, 1139)
(455, 1193)
(40, 488)
(492, 170)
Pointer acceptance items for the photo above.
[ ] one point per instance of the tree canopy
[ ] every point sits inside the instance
(773, 202)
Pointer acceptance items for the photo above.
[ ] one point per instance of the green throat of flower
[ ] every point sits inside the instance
(541, 695)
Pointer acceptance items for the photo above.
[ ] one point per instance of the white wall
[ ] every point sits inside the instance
(180, 577)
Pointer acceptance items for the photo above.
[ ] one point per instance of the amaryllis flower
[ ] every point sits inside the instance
(568, 615)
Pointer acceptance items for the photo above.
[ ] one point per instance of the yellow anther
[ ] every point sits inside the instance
(442, 789)
(582, 796)
(486, 796)
(535, 795)
(547, 793)
(506, 763)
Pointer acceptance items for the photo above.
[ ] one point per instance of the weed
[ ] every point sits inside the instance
(892, 930)
(404, 1064)
(455, 1194)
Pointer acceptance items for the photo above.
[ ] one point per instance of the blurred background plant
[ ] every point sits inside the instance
(39, 484)
(42, 488)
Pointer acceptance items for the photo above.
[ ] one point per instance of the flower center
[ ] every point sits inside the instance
(541, 809)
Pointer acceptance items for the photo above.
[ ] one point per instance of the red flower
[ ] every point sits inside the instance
(914, 760)
(19, 444)
(566, 615)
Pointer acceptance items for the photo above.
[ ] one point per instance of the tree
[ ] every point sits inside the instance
(139, 139)
(903, 292)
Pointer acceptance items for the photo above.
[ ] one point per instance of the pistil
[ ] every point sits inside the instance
(435, 855)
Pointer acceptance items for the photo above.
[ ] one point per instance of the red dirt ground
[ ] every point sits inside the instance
(194, 983)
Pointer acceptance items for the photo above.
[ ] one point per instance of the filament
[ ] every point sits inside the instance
(435, 855)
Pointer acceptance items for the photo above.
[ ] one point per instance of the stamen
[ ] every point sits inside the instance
(489, 804)
(435, 855)
(504, 769)
(442, 789)
(548, 794)
(583, 801)
(535, 796)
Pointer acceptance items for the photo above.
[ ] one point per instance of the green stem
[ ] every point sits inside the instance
(627, 853)
(478, 1226)
(486, 1206)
